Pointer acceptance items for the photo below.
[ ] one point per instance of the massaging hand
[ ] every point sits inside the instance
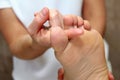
(41, 35)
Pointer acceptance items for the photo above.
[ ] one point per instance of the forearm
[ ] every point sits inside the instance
(17, 37)
(98, 24)
(25, 48)
(94, 11)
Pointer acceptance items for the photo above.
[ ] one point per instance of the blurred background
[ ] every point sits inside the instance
(112, 36)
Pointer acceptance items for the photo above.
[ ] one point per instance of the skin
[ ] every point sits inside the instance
(26, 38)
(23, 44)
(94, 11)
(87, 62)
(27, 43)
(62, 74)
(31, 42)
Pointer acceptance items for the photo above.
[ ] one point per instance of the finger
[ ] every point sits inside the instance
(68, 21)
(58, 39)
(60, 74)
(56, 19)
(74, 32)
(36, 13)
(87, 25)
(39, 20)
(111, 77)
(80, 21)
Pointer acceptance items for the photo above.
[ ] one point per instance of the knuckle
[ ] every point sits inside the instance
(54, 13)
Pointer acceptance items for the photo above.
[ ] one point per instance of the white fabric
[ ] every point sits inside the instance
(46, 66)
(107, 55)
(4, 4)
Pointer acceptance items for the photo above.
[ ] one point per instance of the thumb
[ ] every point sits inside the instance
(60, 74)
(111, 77)
(56, 18)
(74, 32)
(40, 18)
(59, 39)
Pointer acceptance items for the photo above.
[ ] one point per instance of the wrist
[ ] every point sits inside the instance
(25, 48)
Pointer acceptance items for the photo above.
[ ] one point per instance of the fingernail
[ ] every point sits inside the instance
(36, 13)
(44, 11)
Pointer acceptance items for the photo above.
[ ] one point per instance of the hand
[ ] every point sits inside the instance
(111, 77)
(41, 36)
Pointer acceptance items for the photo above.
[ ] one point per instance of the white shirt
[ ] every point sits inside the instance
(46, 66)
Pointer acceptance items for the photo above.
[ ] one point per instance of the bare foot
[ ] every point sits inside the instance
(82, 57)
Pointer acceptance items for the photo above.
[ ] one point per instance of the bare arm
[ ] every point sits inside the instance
(20, 42)
(94, 12)
(31, 42)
